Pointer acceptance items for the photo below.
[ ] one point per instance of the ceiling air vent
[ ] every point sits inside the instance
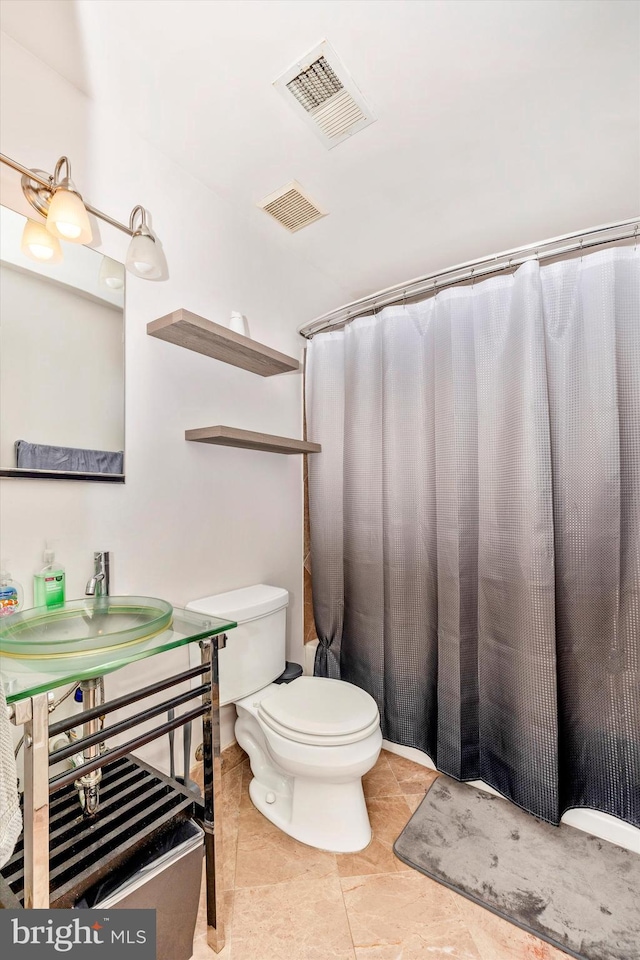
(292, 207)
(324, 95)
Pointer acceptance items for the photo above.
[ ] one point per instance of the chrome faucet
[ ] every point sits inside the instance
(98, 584)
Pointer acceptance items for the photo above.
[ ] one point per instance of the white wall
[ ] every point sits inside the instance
(192, 519)
(61, 367)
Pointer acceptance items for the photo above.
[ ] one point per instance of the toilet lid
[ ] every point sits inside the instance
(319, 710)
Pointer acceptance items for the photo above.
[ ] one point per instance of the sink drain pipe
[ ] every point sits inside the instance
(88, 786)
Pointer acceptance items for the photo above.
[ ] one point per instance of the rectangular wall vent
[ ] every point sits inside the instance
(324, 95)
(292, 207)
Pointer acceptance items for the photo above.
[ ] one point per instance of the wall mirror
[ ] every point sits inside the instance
(61, 361)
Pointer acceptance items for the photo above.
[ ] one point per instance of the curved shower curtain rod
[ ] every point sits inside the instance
(473, 270)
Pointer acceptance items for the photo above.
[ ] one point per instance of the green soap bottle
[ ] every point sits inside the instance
(49, 584)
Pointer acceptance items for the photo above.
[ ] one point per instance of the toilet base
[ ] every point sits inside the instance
(328, 816)
(313, 794)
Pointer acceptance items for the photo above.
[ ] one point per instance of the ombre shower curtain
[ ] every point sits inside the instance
(475, 527)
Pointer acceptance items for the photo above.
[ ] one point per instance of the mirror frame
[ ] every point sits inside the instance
(26, 473)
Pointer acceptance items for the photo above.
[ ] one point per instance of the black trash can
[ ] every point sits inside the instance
(166, 877)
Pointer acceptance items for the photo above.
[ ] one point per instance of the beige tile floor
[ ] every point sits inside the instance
(287, 901)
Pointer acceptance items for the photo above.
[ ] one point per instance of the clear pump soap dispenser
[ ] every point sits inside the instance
(10, 592)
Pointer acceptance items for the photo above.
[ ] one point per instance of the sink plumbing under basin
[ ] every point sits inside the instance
(87, 626)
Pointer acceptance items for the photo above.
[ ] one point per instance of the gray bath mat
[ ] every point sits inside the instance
(579, 893)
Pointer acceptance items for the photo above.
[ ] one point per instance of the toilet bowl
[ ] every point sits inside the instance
(310, 741)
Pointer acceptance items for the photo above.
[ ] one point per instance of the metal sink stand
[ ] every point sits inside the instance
(33, 712)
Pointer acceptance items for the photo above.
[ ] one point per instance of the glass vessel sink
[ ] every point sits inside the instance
(83, 627)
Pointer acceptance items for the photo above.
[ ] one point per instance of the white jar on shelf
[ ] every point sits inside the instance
(238, 323)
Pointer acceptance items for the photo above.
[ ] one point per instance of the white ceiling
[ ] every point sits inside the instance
(499, 123)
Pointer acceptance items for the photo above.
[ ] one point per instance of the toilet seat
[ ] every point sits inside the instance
(320, 711)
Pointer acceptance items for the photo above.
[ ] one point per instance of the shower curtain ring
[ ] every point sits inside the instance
(473, 279)
(581, 248)
(635, 238)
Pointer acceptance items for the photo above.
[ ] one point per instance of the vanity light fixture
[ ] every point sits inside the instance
(111, 274)
(67, 217)
(143, 256)
(57, 199)
(38, 244)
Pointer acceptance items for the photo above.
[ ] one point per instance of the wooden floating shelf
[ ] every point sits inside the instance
(248, 440)
(188, 330)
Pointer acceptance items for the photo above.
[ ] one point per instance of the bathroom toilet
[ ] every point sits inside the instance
(309, 741)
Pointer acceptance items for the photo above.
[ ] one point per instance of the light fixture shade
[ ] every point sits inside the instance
(144, 258)
(111, 274)
(38, 244)
(67, 217)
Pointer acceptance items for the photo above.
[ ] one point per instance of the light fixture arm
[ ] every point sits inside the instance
(143, 230)
(56, 180)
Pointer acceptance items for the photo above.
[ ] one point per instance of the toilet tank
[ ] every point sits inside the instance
(255, 652)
